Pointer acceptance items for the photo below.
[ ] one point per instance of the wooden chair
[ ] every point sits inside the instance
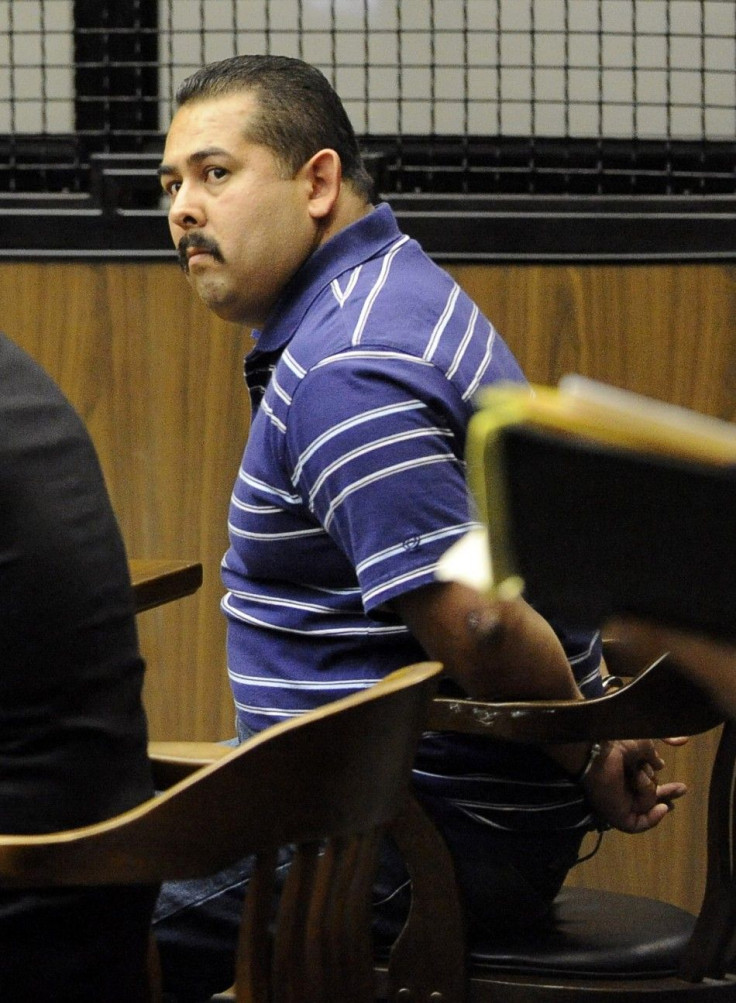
(328, 782)
(599, 946)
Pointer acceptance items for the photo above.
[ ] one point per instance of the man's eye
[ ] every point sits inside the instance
(215, 173)
(172, 187)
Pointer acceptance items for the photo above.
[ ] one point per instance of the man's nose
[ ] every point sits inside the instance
(186, 211)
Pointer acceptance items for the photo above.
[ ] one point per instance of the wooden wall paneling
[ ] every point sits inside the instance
(158, 380)
(191, 415)
(664, 330)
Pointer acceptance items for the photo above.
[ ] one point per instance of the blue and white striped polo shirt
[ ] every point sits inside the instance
(352, 485)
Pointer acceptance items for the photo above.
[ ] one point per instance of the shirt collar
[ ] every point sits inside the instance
(350, 247)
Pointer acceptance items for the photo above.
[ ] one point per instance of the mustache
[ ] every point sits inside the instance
(201, 243)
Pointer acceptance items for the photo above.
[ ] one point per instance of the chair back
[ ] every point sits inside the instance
(327, 783)
(593, 959)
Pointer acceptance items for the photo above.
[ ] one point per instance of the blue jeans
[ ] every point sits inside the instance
(506, 879)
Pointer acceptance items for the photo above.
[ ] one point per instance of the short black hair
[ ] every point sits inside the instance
(299, 110)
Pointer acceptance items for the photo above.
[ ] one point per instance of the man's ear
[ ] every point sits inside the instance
(323, 172)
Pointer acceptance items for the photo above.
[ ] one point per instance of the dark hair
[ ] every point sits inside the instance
(299, 111)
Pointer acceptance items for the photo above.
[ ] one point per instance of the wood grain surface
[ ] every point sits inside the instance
(158, 380)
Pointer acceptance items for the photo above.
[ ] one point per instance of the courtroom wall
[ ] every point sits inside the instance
(158, 380)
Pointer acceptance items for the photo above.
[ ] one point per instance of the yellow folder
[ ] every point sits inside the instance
(600, 501)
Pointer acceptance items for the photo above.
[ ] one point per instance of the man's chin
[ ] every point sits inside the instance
(217, 299)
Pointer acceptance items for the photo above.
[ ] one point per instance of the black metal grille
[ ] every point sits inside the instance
(544, 166)
(465, 96)
(115, 75)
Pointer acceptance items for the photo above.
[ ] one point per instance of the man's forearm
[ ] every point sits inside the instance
(494, 651)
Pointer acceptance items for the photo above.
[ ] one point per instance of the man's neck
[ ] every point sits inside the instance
(349, 208)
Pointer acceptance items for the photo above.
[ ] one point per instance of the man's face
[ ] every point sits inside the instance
(241, 227)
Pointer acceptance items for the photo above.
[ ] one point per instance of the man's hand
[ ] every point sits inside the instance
(621, 786)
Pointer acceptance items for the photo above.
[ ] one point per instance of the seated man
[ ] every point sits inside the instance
(72, 726)
(367, 360)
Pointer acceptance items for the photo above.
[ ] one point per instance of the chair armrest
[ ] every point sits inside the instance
(619, 660)
(173, 761)
(657, 703)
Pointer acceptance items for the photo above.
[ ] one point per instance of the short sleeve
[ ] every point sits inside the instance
(375, 441)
